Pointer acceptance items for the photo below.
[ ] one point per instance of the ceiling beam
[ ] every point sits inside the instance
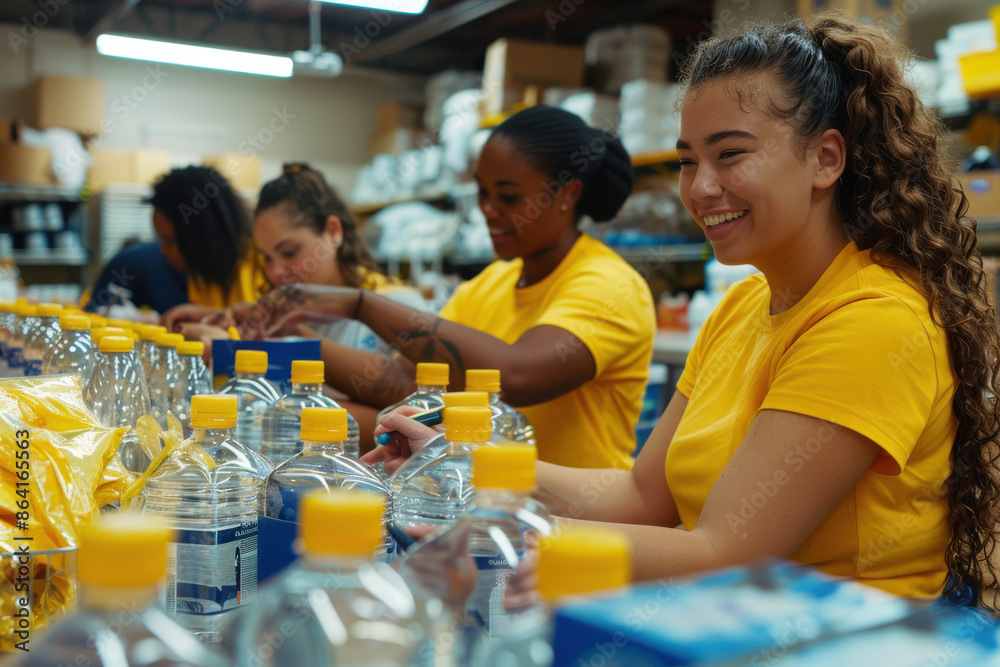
(436, 24)
(104, 22)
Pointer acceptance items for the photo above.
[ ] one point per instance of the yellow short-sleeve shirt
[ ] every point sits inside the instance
(859, 350)
(251, 283)
(595, 295)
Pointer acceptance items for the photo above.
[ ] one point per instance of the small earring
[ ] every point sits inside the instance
(564, 208)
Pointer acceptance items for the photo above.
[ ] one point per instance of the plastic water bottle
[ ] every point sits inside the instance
(92, 396)
(208, 490)
(121, 564)
(191, 379)
(254, 394)
(148, 333)
(337, 605)
(163, 375)
(434, 488)
(280, 424)
(576, 561)
(508, 423)
(119, 383)
(491, 532)
(24, 317)
(432, 383)
(71, 351)
(321, 464)
(42, 337)
(7, 318)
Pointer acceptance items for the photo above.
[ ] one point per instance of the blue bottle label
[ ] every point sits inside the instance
(485, 608)
(15, 357)
(33, 367)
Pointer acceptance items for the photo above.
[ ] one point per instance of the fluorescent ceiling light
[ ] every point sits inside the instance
(193, 56)
(403, 6)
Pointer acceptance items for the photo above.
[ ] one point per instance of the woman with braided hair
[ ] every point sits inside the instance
(567, 321)
(838, 409)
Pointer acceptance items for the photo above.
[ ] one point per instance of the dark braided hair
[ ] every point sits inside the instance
(898, 199)
(562, 146)
(311, 200)
(210, 222)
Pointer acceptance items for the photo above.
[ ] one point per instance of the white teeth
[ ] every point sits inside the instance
(713, 220)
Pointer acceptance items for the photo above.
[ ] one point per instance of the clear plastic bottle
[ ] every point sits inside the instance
(7, 317)
(254, 392)
(191, 379)
(508, 423)
(71, 351)
(336, 606)
(121, 564)
(434, 488)
(211, 501)
(491, 533)
(163, 375)
(148, 333)
(321, 465)
(23, 323)
(432, 383)
(578, 560)
(280, 424)
(119, 383)
(45, 333)
(92, 395)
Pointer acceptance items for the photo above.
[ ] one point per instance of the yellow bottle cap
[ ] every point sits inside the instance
(466, 399)
(150, 331)
(73, 322)
(21, 301)
(7, 306)
(121, 324)
(356, 514)
(122, 550)
(50, 310)
(27, 310)
(435, 375)
(97, 320)
(308, 372)
(482, 379)
(468, 424)
(251, 361)
(582, 559)
(169, 340)
(511, 466)
(213, 411)
(191, 348)
(98, 333)
(115, 344)
(324, 424)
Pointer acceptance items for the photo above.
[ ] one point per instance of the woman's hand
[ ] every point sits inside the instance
(408, 437)
(282, 310)
(186, 312)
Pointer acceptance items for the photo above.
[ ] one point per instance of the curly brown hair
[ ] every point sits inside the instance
(898, 198)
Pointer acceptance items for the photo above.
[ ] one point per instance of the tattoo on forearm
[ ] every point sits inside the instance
(435, 347)
(393, 383)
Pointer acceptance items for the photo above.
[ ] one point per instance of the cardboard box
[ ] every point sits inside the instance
(983, 191)
(512, 66)
(25, 164)
(147, 165)
(392, 115)
(109, 165)
(242, 171)
(74, 103)
(396, 141)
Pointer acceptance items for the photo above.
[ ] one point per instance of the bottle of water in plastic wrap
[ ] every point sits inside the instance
(118, 380)
(192, 379)
(71, 351)
(45, 333)
(23, 322)
(209, 490)
(575, 561)
(508, 423)
(434, 488)
(254, 394)
(321, 464)
(121, 564)
(163, 375)
(489, 536)
(432, 383)
(338, 606)
(148, 333)
(280, 424)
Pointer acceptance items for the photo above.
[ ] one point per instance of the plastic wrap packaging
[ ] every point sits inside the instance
(58, 467)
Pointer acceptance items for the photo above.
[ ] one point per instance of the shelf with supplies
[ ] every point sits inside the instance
(57, 257)
(25, 192)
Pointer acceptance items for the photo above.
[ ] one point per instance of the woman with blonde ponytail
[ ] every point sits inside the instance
(836, 410)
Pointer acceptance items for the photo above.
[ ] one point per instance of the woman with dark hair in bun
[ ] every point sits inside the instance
(568, 323)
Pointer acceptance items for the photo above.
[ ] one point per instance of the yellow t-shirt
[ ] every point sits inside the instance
(251, 283)
(859, 350)
(595, 295)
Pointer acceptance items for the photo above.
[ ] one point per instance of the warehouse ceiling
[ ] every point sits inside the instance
(448, 34)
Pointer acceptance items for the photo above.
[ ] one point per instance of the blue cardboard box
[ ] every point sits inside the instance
(280, 354)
